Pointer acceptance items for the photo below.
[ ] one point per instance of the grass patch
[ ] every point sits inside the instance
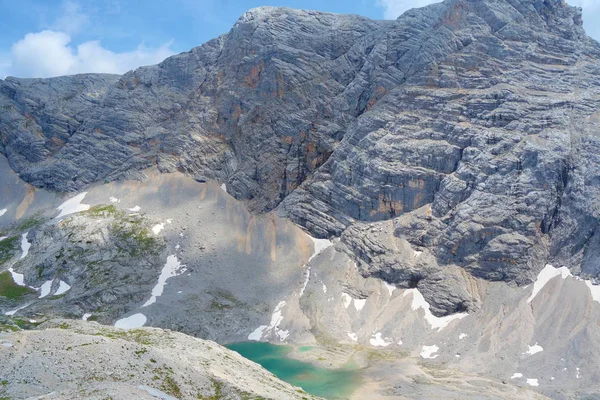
(9, 289)
(8, 248)
(132, 335)
(103, 210)
(30, 222)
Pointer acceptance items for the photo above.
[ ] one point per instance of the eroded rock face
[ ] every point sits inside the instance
(469, 126)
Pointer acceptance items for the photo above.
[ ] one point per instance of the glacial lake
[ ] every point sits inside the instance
(331, 384)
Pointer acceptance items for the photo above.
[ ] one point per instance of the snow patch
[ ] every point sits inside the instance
(3, 211)
(25, 245)
(359, 304)
(324, 288)
(224, 188)
(2, 238)
(462, 336)
(256, 335)
(578, 375)
(73, 205)
(516, 375)
(439, 323)
(594, 290)
(353, 336)
(131, 322)
(13, 312)
(276, 320)
(156, 393)
(532, 382)
(417, 253)
(157, 228)
(63, 287)
(428, 351)
(114, 200)
(320, 245)
(347, 299)
(536, 348)
(379, 341)
(86, 316)
(45, 289)
(389, 287)
(5, 343)
(172, 268)
(135, 209)
(18, 278)
(547, 273)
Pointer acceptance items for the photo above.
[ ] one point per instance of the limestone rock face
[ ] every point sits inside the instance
(468, 128)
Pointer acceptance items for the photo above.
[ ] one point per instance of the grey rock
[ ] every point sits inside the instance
(483, 112)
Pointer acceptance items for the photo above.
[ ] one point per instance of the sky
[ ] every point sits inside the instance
(44, 38)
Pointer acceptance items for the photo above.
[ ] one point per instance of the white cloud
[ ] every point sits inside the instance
(392, 9)
(50, 53)
(72, 19)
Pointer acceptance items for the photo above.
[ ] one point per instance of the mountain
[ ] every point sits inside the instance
(451, 155)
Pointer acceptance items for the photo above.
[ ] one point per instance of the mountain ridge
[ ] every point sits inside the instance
(467, 125)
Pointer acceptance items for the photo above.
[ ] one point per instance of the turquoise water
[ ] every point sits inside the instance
(322, 382)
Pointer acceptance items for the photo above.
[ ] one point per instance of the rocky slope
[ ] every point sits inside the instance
(446, 160)
(83, 360)
(471, 124)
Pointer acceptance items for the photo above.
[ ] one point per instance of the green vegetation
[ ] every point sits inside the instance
(103, 210)
(8, 248)
(9, 289)
(132, 335)
(29, 222)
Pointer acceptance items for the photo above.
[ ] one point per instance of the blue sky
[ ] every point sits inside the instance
(41, 38)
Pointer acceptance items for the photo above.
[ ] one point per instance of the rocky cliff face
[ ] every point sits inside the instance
(469, 126)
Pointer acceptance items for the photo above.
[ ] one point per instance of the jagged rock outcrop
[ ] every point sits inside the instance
(471, 125)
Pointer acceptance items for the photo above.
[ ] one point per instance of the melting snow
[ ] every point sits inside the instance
(359, 304)
(135, 209)
(86, 316)
(18, 278)
(532, 382)
(536, 348)
(276, 320)
(172, 268)
(545, 275)
(3, 211)
(462, 336)
(157, 228)
(347, 299)
(131, 322)
(389, 287)
(257, 334)
(378, 341)
(156, 393)
(45, 289)
(224, 187)
(353, 336)
(114, 200)
(439, 323)
(428, 351)
(63, 287)
(73, 205)
(516, 375)
(13, 312)
(320, 245)
(25, 245)
(595, 290)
